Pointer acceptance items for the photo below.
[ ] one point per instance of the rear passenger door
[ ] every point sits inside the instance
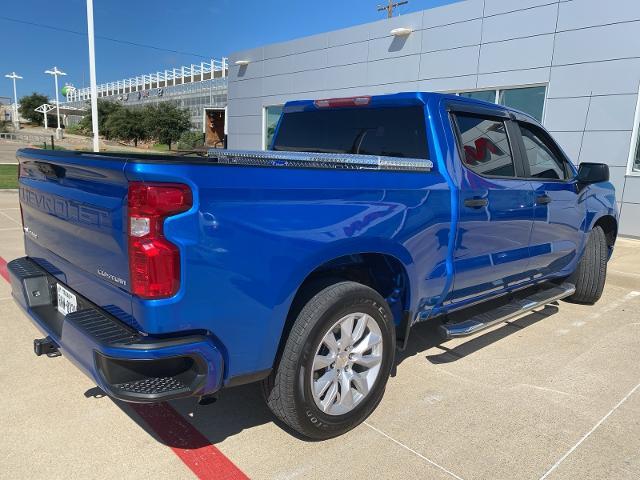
(559, 212)
(495, 207)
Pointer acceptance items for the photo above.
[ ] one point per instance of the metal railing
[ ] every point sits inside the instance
(31, 138)
(158, 80)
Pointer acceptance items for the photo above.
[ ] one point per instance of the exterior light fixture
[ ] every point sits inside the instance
(16, 118)
(55, 73)
(401, 32)
(242, 63)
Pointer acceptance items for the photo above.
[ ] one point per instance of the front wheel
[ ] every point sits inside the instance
(336, 362)
(591, 272)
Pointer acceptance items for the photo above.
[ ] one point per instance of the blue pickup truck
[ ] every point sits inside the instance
(306, 266)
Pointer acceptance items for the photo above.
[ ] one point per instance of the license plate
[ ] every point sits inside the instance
(67, 301)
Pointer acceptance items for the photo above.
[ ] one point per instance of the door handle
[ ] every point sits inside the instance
(476, 202)
(543, 199)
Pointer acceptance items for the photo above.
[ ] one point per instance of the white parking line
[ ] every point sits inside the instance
(572, 449)
(10, 218)
(624, 274)
(413, 451)
(551, 390)
(613, 305)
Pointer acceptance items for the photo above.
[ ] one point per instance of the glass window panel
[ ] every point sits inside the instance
(484, 95)
(485, 145)
(385, 131)
(543, 162)
(272, 116)
(529, 100)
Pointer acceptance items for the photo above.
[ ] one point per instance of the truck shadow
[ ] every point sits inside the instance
(425, 337)
(241, 408)
(237, 409)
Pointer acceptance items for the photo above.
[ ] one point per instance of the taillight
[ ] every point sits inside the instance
(154, 262)
(342, 102)
(21, 173)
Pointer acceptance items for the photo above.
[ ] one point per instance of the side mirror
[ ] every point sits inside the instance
(593, 173)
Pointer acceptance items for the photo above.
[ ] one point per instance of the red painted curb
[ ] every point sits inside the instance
(4, 273)
(191, 446)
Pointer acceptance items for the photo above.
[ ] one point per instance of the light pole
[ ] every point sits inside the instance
(92, 77)
(16, 121)
(55, 72)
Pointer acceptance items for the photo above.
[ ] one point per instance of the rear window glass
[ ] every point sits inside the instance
(389, 131)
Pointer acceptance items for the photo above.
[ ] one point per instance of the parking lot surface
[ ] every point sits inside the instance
(554, 394)
(8, 152)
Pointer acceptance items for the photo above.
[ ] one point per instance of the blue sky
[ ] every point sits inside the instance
(212, 28)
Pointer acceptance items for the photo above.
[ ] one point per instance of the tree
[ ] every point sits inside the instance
(127, 124)
(190, 140)
(29, 103)
(166, 122)
(106, 108)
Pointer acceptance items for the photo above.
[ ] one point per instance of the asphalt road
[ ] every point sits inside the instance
(554, 394)
(8, 152)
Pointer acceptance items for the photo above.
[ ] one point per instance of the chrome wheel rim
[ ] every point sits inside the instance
(346, 364)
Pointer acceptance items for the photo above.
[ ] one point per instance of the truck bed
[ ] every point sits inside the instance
(250, 238)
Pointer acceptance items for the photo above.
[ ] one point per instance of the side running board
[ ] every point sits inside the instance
(544, 295)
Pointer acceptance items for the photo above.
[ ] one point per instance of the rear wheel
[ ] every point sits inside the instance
(591, 272)
(336, 362)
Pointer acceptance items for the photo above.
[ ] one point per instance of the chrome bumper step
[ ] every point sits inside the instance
(519, 305)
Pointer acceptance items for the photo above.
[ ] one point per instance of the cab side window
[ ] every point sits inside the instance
(543, 162)
(485, 145)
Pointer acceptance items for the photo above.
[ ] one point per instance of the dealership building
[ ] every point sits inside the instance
(573, 64)
(201, 89)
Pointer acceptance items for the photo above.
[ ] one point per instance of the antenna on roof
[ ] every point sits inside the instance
(390, 6)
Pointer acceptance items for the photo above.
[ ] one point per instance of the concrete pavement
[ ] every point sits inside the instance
(8, 152)
(554, 394)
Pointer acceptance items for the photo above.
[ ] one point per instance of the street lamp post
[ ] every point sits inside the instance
(16, 121)
(92, 77)
(55, 72)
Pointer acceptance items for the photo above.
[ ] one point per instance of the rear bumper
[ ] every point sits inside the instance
(126, 364)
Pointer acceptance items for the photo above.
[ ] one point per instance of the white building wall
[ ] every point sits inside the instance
(587, 52)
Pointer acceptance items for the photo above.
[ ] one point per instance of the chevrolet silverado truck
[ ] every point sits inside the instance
(305, 267)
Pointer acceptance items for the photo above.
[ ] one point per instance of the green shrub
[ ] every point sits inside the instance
(75, 130)
(190, 140)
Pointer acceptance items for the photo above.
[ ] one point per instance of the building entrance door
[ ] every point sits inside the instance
(215, 127)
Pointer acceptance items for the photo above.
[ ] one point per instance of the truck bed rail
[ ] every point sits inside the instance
(339, 161)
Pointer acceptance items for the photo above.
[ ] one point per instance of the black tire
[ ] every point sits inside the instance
(591, 272)
(288, 389)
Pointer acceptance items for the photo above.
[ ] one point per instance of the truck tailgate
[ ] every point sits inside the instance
(73, 209)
